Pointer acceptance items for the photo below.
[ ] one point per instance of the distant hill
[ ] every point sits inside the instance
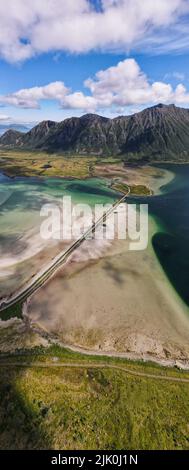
(157, 133)
(17, 127)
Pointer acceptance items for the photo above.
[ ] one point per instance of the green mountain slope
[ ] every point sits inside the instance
(157, 133)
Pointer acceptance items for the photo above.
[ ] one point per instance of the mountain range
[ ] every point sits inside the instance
(18, 127)
(157, 133)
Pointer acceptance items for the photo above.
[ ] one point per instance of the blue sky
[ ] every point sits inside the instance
(82, 56)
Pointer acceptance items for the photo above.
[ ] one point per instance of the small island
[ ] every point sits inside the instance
(133, 190)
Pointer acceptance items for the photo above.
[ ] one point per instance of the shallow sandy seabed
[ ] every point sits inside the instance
(121, 302)
(147, 175)
(110, 299)
(21, 255)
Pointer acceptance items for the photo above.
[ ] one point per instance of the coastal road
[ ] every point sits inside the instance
(41, 279)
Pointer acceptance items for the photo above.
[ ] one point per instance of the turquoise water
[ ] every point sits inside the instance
(22, 198)
(171, 241)
(29, 192)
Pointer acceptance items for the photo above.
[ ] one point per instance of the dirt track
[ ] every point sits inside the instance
(94, 366)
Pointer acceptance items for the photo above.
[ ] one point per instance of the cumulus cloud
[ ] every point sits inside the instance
(121, 86)
(36, 26)
(126, 85)
(78, 100)
(31, 97)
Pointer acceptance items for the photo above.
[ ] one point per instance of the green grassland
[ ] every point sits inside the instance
(134, 190)
(140, 190)
(42, 164)
(86, 407)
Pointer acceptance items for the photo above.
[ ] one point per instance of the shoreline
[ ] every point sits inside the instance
(40, 332)
(126, 165)
(130, 356)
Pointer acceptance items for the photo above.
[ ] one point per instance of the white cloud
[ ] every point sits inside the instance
(4, 118)
(122, 86)
(30, 97)
(78, 100)
(36, 26)
(126, 85)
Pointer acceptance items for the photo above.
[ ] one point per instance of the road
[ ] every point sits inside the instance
(77, 365)
(39, 280)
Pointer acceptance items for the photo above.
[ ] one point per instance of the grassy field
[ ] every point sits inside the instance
(140, 190)
(43, 164)
(90, 408)
(135, 190)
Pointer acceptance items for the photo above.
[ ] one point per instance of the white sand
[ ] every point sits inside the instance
(120, 302)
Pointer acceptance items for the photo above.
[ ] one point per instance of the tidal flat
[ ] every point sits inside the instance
(23, 251)
(109, 299)
(105, 298)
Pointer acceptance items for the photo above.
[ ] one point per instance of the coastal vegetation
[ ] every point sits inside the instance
(134, 190)
(58, 399)
(41, 164)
